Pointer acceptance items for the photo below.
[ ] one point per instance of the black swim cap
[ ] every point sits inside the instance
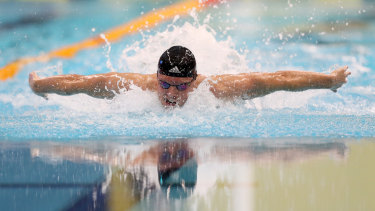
(177, 61)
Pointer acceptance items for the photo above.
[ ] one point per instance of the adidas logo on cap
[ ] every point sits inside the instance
(174, 70)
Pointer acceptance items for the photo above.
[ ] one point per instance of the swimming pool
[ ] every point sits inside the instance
(274, 40)
(231, 37)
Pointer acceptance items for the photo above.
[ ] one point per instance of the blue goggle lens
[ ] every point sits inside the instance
(180, 87)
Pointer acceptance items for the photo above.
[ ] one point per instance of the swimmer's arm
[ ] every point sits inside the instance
(105, 85)
(254, 85)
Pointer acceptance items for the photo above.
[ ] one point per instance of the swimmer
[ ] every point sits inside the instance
(177, 76)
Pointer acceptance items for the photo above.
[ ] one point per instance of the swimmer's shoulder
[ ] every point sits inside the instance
(200, 78)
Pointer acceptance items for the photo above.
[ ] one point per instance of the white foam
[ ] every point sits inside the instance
(213, 56)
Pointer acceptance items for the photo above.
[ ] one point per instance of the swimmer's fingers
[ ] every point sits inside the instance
(339, 77)
(345, 72)
(33, 77)
(340, 70)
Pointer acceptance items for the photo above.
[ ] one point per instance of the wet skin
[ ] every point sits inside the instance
(226, 86)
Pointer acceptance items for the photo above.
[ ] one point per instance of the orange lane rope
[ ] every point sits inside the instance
(145, 21)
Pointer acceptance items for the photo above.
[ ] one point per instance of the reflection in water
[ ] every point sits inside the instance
(177, 169)
(203, 174)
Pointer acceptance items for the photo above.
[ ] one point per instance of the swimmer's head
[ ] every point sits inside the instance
(177, 61)
(176, 76)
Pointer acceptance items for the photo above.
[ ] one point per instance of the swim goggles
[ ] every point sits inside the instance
(180, 87)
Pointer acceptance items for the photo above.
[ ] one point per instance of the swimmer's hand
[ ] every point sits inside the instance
(33, 79)
(339, 77)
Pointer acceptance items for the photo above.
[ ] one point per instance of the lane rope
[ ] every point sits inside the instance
(145, 21)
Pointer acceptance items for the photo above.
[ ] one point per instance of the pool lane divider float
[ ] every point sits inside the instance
(145, 21)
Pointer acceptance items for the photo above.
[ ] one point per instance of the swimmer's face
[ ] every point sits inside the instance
(172, 96)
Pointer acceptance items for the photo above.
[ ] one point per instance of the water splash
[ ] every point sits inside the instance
(107, 54)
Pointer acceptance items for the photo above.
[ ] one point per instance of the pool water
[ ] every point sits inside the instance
(314, 129)
(238, 37)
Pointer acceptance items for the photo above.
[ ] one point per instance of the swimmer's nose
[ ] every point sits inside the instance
(172, 92)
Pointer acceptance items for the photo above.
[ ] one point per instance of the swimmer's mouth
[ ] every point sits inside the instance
(170, 103)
